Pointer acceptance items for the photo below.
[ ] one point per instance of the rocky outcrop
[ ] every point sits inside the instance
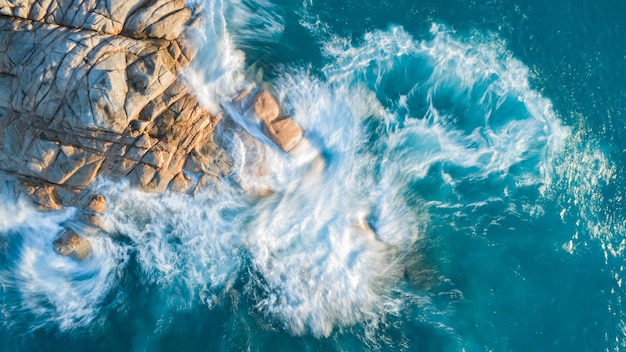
(92, 88)
(130, 18)
(70, 244)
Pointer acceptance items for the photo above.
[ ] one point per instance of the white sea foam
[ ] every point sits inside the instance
(13, 212)
(466, 108)
(253, 24)
(217, 72)
(320, 264)
(53, 288)
(184, 243)
(467, 104)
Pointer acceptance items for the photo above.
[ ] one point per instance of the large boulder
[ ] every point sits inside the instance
(70, 244)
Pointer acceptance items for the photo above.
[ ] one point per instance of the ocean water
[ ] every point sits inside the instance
(462, 191)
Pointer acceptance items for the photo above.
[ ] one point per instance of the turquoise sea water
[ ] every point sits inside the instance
(470, 195)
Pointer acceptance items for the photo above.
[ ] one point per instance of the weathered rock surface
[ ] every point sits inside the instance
(132, 18)
(92, 88)
(70, 244)
(97, 204)
(282, 130)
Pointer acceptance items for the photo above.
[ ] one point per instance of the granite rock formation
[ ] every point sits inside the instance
(92, 88)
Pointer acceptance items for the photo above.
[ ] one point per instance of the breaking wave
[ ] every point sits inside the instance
(38, 283)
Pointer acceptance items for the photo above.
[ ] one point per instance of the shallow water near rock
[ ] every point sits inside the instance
(460, 190)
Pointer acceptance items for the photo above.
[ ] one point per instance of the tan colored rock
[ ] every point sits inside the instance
(91, 88)
(180, 183)
(97, 204)
(160, 181)
(47, 197)
(67, 195)
(281, 130)
(107, 91)
(85, 175)
(70, 244)
(157, 156)
(284, 132)
(265, 107)
(75, 167)
(77, 104)
(143, 174)
(159, 19)
(111, 16)
(96, 221)
(41, 155)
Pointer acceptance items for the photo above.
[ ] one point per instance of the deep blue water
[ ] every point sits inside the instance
(481, 142)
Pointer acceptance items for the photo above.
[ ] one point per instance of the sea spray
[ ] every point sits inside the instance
(465, 105)
(191, 244)
(54, 290)
(217, 72)
(464, 115)
(313, 230)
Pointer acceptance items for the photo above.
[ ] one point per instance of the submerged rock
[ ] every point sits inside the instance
(70, 244)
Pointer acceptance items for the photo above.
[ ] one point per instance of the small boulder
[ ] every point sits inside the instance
(70, 244)
(284, 132)
(97, 204)
(281, 130)
(265, 107)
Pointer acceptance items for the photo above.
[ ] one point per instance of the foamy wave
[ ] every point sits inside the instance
(13, 213)
(320, 263)
(254, 24)
(454, 103)
(217, 72)
(327, 244)
(74, 290)
(52, 288)
(181, 242)
(387, 114)
(316, 260)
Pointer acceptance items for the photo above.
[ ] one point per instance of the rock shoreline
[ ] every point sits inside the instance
(93, 89)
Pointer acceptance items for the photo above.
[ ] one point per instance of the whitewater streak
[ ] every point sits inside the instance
(329, 245)
(40, 287)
